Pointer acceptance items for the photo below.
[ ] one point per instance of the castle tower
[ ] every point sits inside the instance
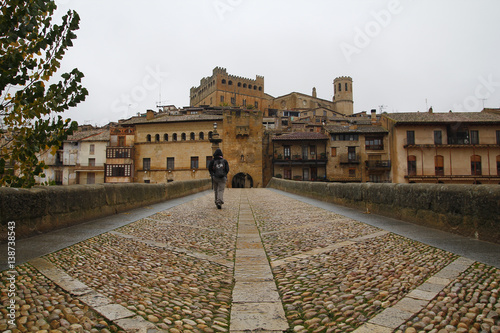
(342, 95)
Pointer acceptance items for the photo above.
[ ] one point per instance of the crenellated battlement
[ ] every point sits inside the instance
(342, 78)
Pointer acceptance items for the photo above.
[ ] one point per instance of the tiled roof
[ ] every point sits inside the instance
(90, 135)
(301, 136)
(170, 118)
(360, 129)
(444, 117)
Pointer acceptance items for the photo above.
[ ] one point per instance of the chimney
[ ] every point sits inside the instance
(430, 110)
(314, 92)
(374, 116)
(150, 114)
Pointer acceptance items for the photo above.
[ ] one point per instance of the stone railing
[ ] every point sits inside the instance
(468, 210)
(42, 209)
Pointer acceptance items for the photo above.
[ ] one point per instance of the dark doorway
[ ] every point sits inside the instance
(242, 180)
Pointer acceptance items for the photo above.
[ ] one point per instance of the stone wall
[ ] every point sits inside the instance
(468, 210)
(42, 209)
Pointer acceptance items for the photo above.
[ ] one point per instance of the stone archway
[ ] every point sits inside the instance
(242, 180)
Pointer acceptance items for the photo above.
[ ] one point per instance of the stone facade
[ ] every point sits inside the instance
(444, 147)
(223, 89)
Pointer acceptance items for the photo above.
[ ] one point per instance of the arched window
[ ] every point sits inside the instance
(183, 137)
(475, 165)
(239, 84)
(244, 85)
(439, 165)
(148, 138)
(165, 137)
(340, 87)
(209, 135)
(254, 87)
(412, 165)
(202, 136)
(230, 82)
(346, 87)
(498, 165)
(157, 138)
(223, 81)
(249, 86)
(191, 136)
(174, 137)
(260, 88)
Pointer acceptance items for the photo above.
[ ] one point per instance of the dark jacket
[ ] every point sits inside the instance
(217, 156)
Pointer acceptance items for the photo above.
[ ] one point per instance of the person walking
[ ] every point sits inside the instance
(218, 168)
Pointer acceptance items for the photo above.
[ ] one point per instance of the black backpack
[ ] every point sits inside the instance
(219, 168)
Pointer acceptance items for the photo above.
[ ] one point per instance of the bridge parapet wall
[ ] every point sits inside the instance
(468, 210)
(42, 209)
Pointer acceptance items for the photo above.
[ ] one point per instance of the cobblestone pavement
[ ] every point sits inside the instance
(173, 271)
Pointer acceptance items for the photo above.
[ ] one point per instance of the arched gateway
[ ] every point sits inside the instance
(242, 180)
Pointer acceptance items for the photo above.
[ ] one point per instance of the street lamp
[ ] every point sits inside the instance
(215, 127)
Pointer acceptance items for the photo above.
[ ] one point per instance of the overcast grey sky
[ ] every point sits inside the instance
(404, 54)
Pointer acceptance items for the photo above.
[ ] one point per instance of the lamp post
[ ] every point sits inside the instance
(215, 139)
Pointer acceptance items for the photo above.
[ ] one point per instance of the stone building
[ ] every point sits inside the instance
(300, 156)
(161, 147)
(79, 160)
(444, 147)
(223, 89)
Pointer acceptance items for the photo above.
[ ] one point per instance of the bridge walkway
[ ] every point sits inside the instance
(267, 262)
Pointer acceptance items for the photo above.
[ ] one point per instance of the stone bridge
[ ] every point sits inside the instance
(269, 261)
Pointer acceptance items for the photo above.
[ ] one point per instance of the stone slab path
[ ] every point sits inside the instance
(256, 303)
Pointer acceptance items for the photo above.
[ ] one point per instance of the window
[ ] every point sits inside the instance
(438, 137)
(148, 138)
(346, 87)
(305, 174)
(256, 105)
(201, 136)
(340, 87)
(374, 143)
(244, 102)
(157, 138)
(194, 162)
(439, 165)
(183, 137)
(209, 158)
(498, 165)
(165, 137)
(305, 153)
(121, 141)
(249, 86)
(287, 173)
(191, 136)
(239, 84)
(334, 151)
(146, 164)
(410, 137)
(174, 137)
(351, 153)
(412, 165)
(312, 149)
(118, 170)
(92, 149)
(233, 100)
(475, 165)
(345, 137)
(222, 99)
(223, 81)
(287, 152)
(170, 163)
(230, 82)
(498, 137)
(91, 161)
(474, 137)
(352, 172)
